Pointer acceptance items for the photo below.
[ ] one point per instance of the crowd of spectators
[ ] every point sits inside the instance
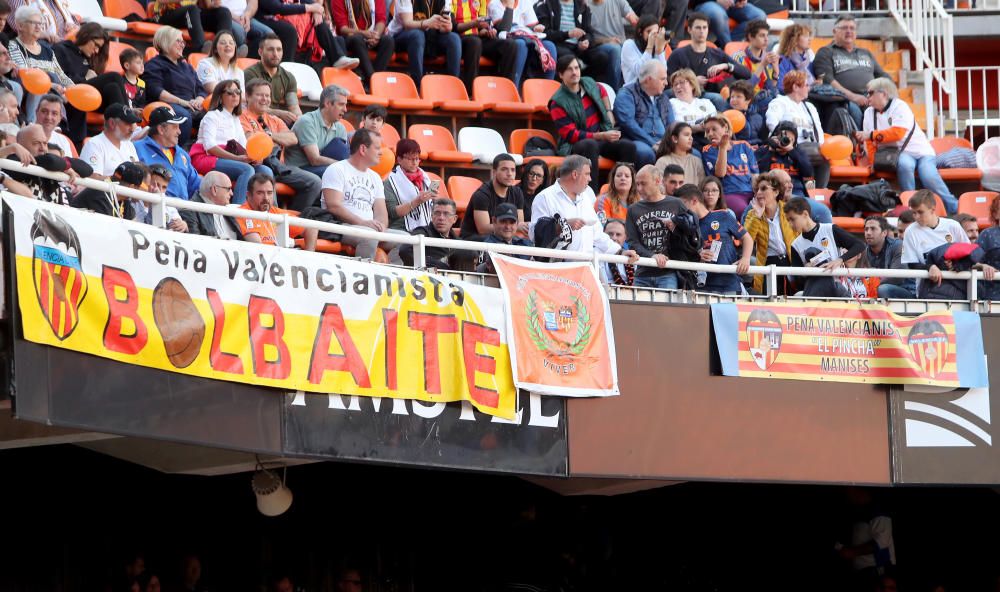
(687, 182)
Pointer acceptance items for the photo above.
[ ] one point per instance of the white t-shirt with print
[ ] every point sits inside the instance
(694, 112)
(102, 155)
(360, 188)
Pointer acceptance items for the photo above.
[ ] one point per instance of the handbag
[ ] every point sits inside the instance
(811, 149)
(887, 157)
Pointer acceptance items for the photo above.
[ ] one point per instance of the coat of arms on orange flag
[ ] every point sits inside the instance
(559, 323)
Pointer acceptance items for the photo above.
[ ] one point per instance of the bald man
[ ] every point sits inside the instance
(216, 188)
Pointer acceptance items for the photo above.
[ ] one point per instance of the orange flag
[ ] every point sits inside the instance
(559, 328)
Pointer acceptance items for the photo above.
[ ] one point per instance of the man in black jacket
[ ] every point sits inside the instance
(443, 217)
(216, 189)
(711, 65)
(577, 40)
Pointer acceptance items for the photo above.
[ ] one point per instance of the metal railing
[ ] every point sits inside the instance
(282, 222)
(979, 119)
(931, 30)
(831, 8)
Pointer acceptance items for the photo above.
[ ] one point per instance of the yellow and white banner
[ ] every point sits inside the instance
(256, 314)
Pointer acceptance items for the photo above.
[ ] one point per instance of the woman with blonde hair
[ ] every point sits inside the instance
(687, 103)
(620, 195)
(171, 79)
(796, 53)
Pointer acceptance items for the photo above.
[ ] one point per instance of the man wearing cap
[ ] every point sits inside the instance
(34, 145)
(113, 146)
(158, 180)
(127, 174)
(161, 146)
(504, 233)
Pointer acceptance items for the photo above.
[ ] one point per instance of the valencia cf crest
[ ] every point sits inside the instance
(57, 272)
(764, 337)
(928, 341)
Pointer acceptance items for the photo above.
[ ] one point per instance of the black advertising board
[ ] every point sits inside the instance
(449, 435)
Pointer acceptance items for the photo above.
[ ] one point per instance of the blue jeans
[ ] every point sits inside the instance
(643, 154)
(668, 281)
(316, 170)
(414, 43)
(528, 64)
(930, 178)
(719, 20)
(614, 53)
(240, 173)
(258, 31)
(894, 291)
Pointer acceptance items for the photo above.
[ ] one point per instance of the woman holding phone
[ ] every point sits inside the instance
(409, 191)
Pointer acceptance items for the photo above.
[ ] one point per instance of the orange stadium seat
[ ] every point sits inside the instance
(946, 143)
(352, 82)
(401, 90)
(195, 57)
(151, 53)
(939, 209)
(850, 224)
(977, 203)
(438, 144)
(520, 137)
(448, 94)
(538, 91)
(115, 49)
(461, 190)
(499, 95)
(442, 188)
(390, 136)
(734, 46)
(821, 195)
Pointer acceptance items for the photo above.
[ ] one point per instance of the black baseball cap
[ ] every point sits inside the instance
(130, 173)
(121, 112)
(162, 115)
(505, 211)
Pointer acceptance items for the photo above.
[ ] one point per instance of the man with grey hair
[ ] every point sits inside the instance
(847, 67)
(643, 111)
(322, 137)
(572, 198)
(216, 189)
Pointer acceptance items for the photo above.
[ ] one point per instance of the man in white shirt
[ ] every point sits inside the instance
(48, 115)
(572, 198)
(105, 151)
(354, 194)
(927, 232)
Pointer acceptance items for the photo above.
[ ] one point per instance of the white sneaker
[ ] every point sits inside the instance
(346, 63)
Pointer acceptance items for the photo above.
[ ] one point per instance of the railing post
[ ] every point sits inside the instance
(282, 230)
(419, 254)
(929, 107)
(158, 213)
(772, 282)
(973, 290)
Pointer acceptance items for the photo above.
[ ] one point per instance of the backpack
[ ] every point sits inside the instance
(840, 123)
(538, 146)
